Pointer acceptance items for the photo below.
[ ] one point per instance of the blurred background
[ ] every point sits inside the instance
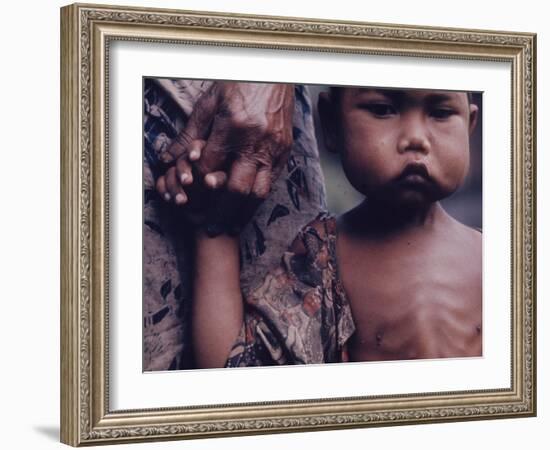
(465, 205)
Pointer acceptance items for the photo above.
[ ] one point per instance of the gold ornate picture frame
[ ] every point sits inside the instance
(87, 413)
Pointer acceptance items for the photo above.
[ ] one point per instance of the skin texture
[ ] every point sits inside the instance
(411, 272)
(239, 136)
(414, 293)
(217, 310)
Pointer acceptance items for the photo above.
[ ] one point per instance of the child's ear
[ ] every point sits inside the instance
(329, 121)
(474, 111)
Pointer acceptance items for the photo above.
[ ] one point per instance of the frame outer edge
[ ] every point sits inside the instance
(69, 183)
(82, 393)
(533, 137)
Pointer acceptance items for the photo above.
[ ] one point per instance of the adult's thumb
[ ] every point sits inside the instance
(197, 127)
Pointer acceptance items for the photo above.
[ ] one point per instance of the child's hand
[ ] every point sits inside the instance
(182, 186)
(171, 185)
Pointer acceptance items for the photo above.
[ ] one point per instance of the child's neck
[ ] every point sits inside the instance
(381, 219)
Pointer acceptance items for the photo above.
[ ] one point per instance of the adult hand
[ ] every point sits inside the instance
(242, 131)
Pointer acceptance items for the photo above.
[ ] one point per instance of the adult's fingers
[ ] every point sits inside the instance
(242, 176)
(262, 183)
(195, 149)
(215, 180)
(197, 127)
(220, 144)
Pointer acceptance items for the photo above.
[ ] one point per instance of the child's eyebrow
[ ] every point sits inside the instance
(439, 98)
(400, 96)
(392, 94)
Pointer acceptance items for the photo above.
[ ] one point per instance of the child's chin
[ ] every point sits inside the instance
(413, 199)
(400, 198)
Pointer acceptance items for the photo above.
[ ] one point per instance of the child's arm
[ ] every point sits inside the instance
(217, 309)
(217, 313)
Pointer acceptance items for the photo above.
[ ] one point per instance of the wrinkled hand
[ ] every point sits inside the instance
(239, 135)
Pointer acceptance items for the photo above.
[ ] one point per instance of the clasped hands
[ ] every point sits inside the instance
(234, 146)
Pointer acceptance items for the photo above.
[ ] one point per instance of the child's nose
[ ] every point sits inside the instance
(414, 134)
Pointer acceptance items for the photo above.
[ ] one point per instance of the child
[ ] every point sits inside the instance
(394, 278)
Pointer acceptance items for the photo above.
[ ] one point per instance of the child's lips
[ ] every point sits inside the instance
(415, 175)
(414, 179)
(415, 171)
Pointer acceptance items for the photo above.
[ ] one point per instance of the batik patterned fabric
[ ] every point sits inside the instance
(299, 314)
(295, 200)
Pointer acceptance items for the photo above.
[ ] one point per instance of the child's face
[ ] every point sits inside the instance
(403, 146)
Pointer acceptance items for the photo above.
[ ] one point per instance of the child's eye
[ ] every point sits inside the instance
(442, 113)
(380, 109)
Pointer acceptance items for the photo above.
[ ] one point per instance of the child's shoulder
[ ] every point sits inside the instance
(468, 239)
(473, 233)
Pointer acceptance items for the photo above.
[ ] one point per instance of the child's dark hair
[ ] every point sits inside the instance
(336, 94)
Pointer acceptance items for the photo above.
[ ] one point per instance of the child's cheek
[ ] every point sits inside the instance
(454, 161)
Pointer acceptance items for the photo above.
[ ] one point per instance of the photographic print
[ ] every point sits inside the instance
(304, 224)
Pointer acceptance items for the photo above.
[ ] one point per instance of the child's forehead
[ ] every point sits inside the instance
(409, 94)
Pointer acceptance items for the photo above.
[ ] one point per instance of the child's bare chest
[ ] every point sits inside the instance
(410, 303)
